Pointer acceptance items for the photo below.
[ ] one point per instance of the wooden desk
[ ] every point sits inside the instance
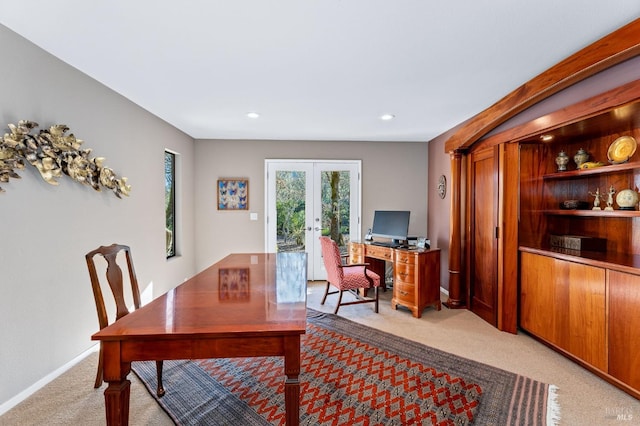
(416, 273)
(244, 305)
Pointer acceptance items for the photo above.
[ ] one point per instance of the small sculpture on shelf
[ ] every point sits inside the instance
(596, 201)
(581, 156)
(610, 198)
(561, 161)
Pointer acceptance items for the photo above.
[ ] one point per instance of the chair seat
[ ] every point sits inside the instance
(346, 277)
(354, 278)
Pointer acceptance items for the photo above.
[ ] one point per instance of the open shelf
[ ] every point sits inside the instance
(594, 213)
(612, 168)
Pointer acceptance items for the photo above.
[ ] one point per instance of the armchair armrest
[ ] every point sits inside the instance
(354, 264)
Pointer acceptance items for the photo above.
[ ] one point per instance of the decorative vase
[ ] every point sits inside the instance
(581, 156)
(561, 161)
(627, 199)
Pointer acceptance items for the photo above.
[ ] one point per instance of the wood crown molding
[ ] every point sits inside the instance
(613, 49)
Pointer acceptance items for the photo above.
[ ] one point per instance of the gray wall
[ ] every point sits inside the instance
(394, 176)
(439, 208)
(47, 310)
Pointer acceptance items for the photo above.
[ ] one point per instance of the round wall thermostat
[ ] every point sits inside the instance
(627, 199)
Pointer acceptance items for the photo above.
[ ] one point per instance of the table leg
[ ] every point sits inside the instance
(292, 381)
(116, 396)
(116, 400)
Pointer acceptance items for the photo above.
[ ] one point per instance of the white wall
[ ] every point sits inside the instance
(47, 311)
(394, 176)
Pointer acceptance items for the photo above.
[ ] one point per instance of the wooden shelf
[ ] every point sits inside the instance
(613, 168)
(594, 213)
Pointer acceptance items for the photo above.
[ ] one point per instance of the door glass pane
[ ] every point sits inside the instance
(335, 187)
(290, 210)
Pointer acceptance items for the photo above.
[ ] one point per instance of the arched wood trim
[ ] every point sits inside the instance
(613, 49)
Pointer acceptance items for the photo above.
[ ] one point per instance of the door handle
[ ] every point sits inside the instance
(317, 229)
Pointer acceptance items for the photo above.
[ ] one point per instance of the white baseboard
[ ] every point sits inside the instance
(45, 380)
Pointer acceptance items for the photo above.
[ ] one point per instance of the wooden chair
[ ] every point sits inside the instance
(116, 284)
(349, 277)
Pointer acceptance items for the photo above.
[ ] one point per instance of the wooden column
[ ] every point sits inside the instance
(456, 294)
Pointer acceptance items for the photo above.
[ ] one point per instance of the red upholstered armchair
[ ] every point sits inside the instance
(350, 277)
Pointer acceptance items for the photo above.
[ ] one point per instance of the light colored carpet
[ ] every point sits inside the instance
(584, 398)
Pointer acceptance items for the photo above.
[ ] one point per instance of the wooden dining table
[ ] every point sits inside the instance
(246, 305)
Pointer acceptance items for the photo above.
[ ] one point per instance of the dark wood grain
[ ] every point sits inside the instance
(624, 328)
(483, 176)
(548, 283)
(457, 288)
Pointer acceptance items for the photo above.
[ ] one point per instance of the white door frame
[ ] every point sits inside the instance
(312, 243)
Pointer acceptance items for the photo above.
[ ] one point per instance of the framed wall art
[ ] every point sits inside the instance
(233, 194)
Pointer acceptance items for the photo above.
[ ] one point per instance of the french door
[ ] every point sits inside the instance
(309, 198)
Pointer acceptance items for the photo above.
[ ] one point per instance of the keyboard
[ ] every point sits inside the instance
(390, 245)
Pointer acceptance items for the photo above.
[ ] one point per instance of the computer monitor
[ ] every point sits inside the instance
(393, 224)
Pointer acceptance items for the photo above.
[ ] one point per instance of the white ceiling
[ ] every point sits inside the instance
(314, 69)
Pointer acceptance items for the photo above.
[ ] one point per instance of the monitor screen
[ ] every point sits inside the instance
(392, 224)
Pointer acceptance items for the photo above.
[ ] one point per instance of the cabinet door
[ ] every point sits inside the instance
(483, 279)
(624, 327)
(564, 303)
(539, 301)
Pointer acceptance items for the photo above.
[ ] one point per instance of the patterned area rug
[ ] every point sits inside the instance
(351, 374)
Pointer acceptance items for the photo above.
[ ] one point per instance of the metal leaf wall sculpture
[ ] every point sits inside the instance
(54, 153)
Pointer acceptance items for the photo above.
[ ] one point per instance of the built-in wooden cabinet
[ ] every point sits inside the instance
(583, 303)
(589, 313)
(624, 327)
(564, 303)
(544, 189)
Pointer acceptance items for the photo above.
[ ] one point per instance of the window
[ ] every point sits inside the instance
(170, 201)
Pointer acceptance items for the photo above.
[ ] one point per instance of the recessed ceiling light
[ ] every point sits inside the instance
(387, 117)
(546, 138)
(253, 115)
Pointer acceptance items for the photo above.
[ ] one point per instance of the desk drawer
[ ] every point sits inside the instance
(379, 252)
(405, 257)
(404, 272)
(356, 253)
(404, 292)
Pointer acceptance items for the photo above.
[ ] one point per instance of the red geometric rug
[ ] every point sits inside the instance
(351, 374)
(346, 381)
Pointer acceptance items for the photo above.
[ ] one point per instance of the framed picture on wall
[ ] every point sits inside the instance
(233, 194)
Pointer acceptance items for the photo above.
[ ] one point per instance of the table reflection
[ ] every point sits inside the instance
(233, 285)
(291, 277)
